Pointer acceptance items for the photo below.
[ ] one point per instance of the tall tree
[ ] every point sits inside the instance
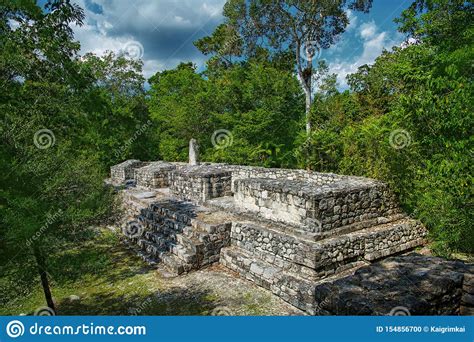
(303, 26)
(116, 103)
(409, 120)
(51, 184)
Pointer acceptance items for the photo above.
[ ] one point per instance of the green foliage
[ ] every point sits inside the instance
(46, 168)
(62, 119)
(258, 106)
(115, 105)
(422, 95)
(178, 107)
(299, 28)
(407, 119)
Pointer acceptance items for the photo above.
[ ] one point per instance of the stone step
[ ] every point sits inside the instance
(158, 238)
(177, 260)
(314, 260)
(163, 230)
(188, 237)
(291, 288)
(185, 254)
(152, 248)
(190, 242)
(175, 264)
(171, 243)
(176, 210)
(150, 260)
(170, 262)
(157, 249)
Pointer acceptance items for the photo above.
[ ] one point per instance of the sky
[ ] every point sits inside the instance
(162, 32)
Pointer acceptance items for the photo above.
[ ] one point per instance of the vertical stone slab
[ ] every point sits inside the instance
(193, 152)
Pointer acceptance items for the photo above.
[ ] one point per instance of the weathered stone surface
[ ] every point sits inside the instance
(284, 230)
(193, 152)
(123, 171)
(313, 178)
(202, 182)
(420, 284)
(334, 204)
(466, 311)
(155, 174)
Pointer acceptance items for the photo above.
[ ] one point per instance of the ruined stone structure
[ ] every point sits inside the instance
(411, 284)
(288, 231)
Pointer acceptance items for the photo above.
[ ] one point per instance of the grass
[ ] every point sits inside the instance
(108, 279)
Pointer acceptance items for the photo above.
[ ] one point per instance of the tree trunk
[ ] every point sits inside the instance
(305, 77)
(41, 264)
(307, 110)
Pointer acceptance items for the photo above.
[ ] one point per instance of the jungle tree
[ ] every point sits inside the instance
(304, 27)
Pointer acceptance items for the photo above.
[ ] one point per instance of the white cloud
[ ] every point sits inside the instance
(166, 28)
(352, 20)
(367, 30)
(373, 43)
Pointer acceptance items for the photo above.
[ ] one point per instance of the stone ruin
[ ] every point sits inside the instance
(289, 231)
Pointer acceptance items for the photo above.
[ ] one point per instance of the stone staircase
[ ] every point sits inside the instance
(288, 231)
(177, 234)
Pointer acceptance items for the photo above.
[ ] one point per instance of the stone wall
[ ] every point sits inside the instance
(285, 230)
(154, 175)
(201, 183)
(467, 298)
(315, 178)
(323, 258)
(126, 170)
(316, 209)
(294, 289)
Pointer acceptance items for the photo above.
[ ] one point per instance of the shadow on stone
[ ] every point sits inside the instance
(411, 284)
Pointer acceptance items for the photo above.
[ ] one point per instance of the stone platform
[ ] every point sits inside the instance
(154, 175)
(288, 231)
(417, 284)
(180, 235)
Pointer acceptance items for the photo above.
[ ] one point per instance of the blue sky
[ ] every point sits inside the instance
(162, 32)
